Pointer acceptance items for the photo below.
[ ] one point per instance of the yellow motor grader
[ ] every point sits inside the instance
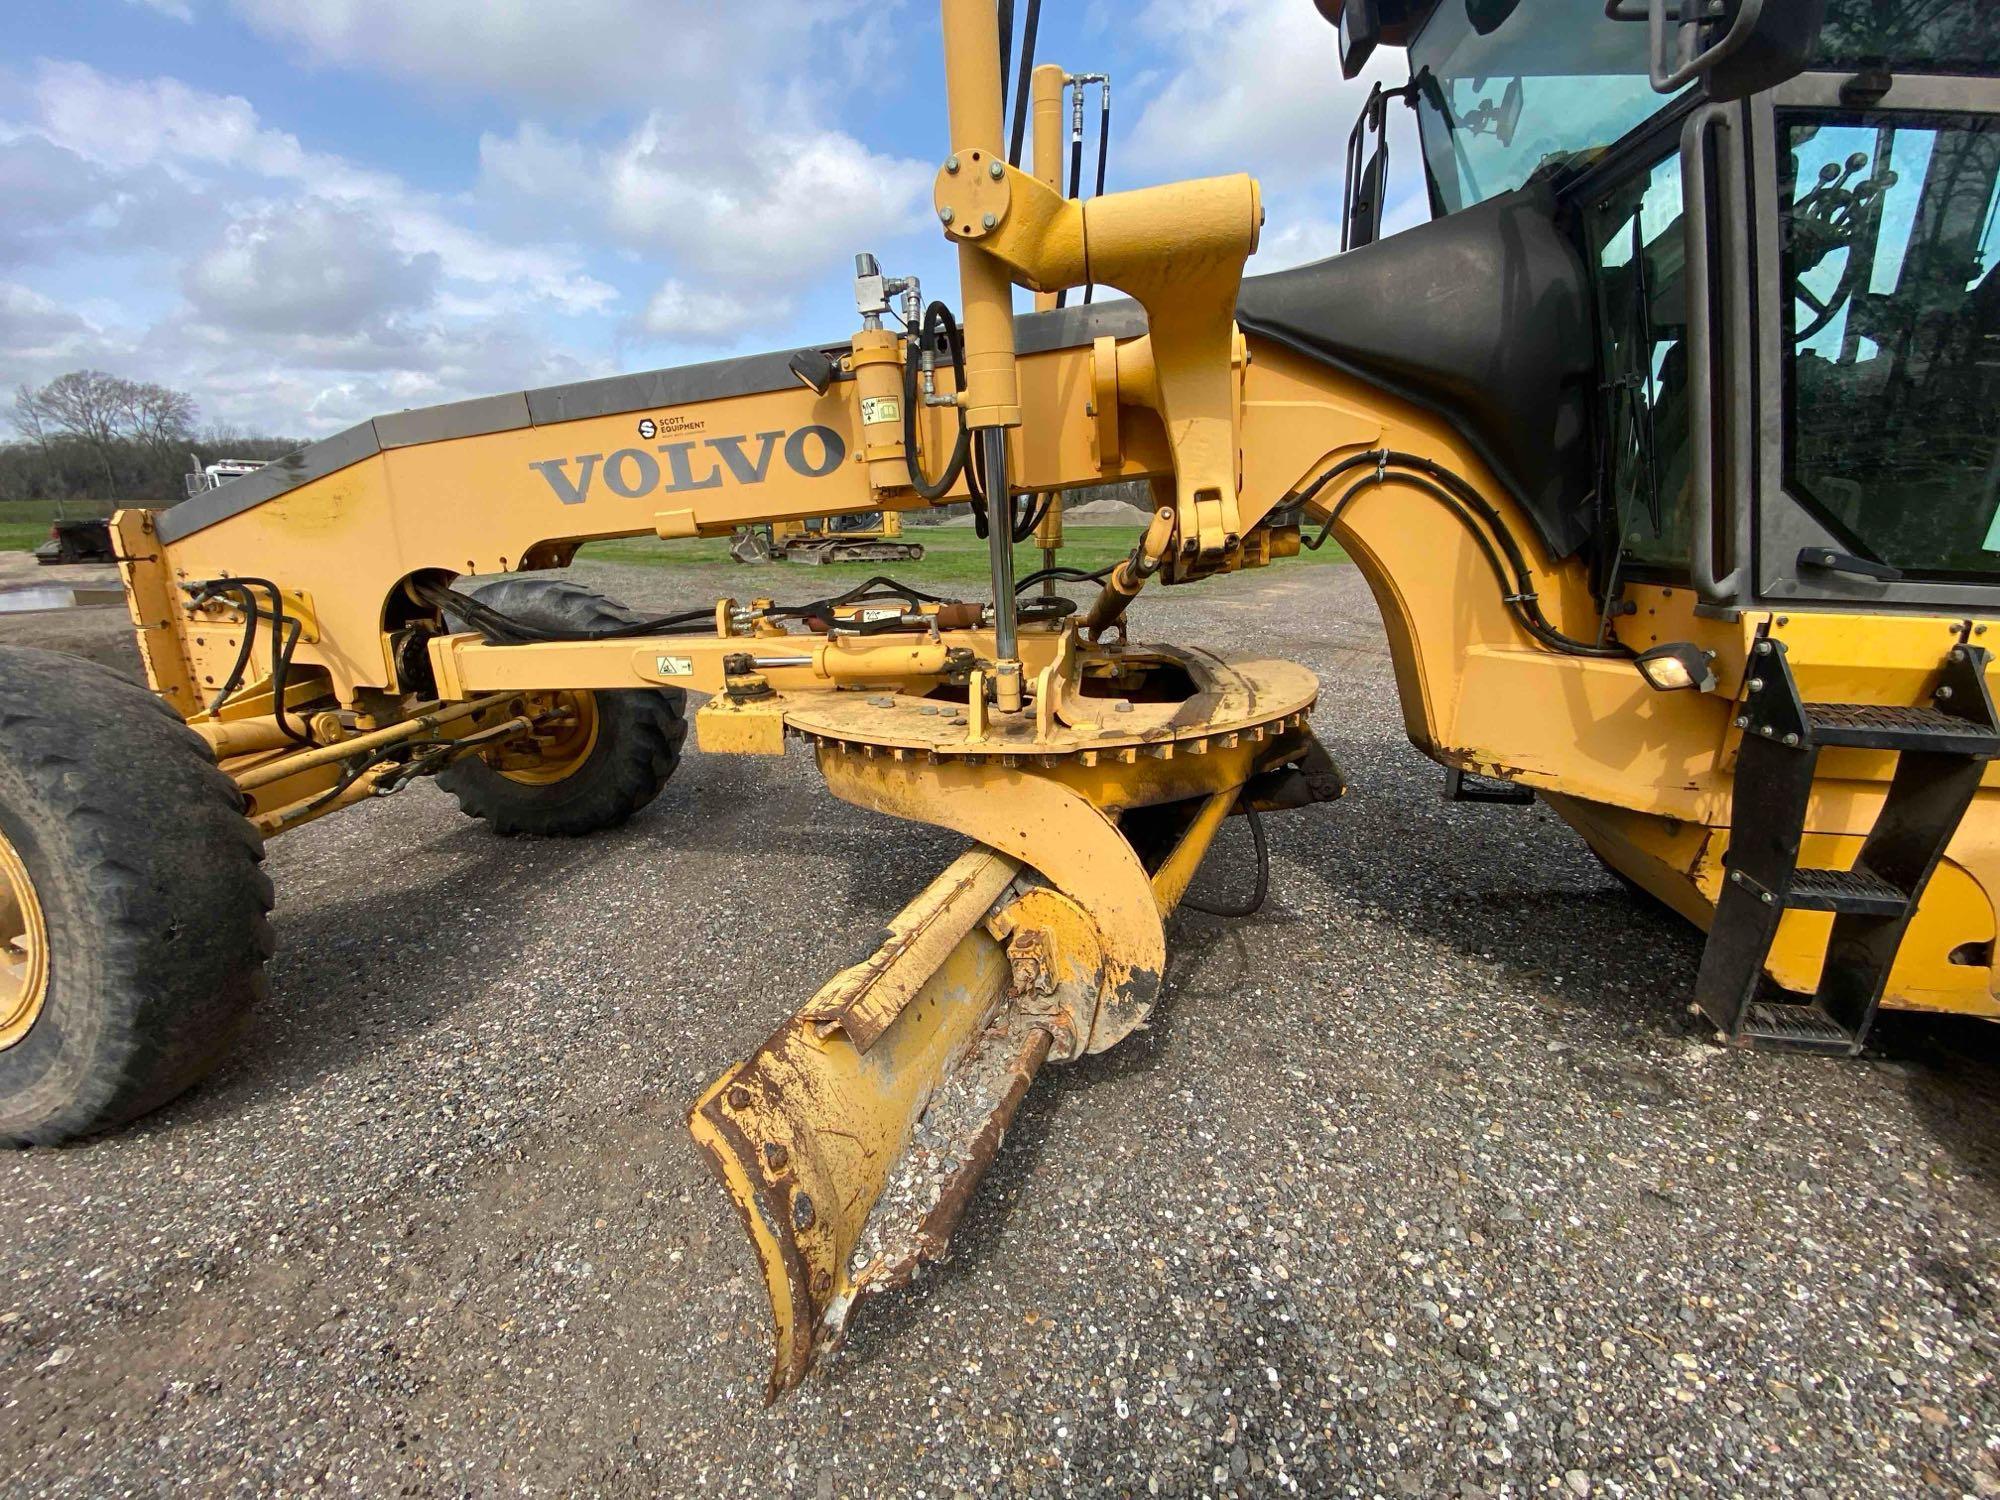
(1667, 447)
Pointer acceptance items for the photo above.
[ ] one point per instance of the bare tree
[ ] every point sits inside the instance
(157, 416)
(85, 406)
(102, 413)
(32, 422)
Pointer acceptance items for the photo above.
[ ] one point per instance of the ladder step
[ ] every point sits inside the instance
(1857, 892)
(1773, 1026)
(1891, 726)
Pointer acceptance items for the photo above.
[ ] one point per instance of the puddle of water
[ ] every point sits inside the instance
(53, 596)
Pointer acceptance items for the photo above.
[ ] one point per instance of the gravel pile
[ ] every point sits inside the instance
(1419, 1184)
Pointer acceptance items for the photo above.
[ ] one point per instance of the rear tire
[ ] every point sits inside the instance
(143, 876)
(636, 747)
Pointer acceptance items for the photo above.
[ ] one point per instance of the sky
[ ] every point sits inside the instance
(306, 213)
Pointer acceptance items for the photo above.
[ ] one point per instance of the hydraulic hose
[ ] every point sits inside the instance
(504, 630)
(1029, 24)
(937, 315)
(1075, 173)
(285, 633)
(1103, 151)
(1480, 519)
(1254, 903)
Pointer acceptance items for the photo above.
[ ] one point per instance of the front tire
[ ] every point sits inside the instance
(624, 747)
(133, 927)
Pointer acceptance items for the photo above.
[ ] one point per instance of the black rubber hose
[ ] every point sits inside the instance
(1029, 25)
(1044, 607)
(938, 315)
(1258, 892)
(1103, 150)
(1032, 517)
(250, 618)
(1066, 575)
(1077, 187)
(285, 634)
(1006, 19)
(504, 630)
(1465, 503)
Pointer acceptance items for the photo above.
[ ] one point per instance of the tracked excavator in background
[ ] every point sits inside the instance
(876, 537)
(1667, 446)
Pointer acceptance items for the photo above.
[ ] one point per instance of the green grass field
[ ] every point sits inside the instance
(22, 536)
(952, 554)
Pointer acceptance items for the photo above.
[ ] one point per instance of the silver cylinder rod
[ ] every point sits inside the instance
(999, 541)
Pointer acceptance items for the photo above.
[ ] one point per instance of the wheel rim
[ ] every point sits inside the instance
(563, 747)
(24, 949)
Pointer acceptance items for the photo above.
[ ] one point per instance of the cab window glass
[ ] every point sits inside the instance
(1553, 81)
(1892, 334)
(1638, 261)
(1947, 36)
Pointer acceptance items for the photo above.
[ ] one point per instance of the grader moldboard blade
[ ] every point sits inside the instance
(852, 1140)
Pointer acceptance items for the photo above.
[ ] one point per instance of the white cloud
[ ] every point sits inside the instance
(119, 123)
(1256, 87)
(34, 327)
(677, 312)
(313, 291)
(309, 269)
(163, 128)
(740, 222)
(765, 209)
(575, 55)
(1297, 241)
(749, 210)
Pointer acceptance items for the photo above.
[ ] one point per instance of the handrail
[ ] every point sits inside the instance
(1672, 68)
(1697, 216)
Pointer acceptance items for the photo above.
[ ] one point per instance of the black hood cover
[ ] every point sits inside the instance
(1482, 318)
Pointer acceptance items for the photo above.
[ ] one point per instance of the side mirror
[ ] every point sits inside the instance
(1510, 113)
(1736, 47)
(1359, 23)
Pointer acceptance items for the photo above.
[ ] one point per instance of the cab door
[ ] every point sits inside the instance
(1876, 225)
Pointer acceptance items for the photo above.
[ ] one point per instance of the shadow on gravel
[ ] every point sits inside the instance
(887, 1323)
(1949, 1067)
(424, 931)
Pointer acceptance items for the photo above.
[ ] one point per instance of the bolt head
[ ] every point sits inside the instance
(990, 220)
(1768, 732)
(996, 170)
(1766, 897)
(1763, 648)
(1743, 721)
(946, 214)
(1958, 653)
(1791, 739)
(951, 164)
(1756, 684)
(1737, 876)
(1944, 692)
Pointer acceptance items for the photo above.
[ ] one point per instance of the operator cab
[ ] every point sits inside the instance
(1785, 269)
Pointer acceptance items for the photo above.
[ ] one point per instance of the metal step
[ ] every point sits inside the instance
(1891, 726)
(1773, 1026)
(1859, 892)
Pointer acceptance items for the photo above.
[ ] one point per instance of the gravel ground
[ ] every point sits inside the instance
(1418, 1185)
